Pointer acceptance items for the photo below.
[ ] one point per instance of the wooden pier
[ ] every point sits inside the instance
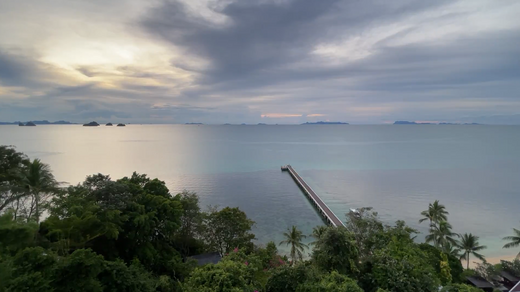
(322, 208)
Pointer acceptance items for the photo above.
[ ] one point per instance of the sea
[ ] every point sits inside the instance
(474, 170)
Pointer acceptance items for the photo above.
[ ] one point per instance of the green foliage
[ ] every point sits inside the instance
(236, 272)
(336, 250)
(288, 279)
(511, 266)
(333, 282)
(489, 272)
(11, 165)
(470, 246)
(434, 257)
(78, 272)
(371, 234)
(38, 182)
(132, 218)
(436, 213)
(293, 238)
(460, 288)
(228, 229)
(514, 240)
(15, 235)
(399, 267)
(191, 225)
(445, 270)
(269, 256)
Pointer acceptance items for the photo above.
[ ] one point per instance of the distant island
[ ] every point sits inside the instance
(415, 123)
(28, 124)
(194, 124)
(109, 124)
(44, 122)
(121, 125)
(91, 124)
(325, 123)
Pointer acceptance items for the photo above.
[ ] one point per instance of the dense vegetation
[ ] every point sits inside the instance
(131, 234)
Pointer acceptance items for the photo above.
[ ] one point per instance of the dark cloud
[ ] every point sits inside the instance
(268, 48)
(379, 60)
(17, 69)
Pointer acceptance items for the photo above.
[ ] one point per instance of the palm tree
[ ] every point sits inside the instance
(435, 213)
(39, 183)
(441, 234)
(293, 237)
(514, 240)
(317, 233)
(451, 249)
(469, 245)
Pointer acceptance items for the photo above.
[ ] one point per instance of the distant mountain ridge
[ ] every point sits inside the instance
(44, 122)
(426, 123)
(325, 123)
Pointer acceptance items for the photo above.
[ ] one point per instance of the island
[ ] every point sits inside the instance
(91, 124)
(121, 125)
(109, 124)
(404, 123)
(194, 124)
(261, 124)
(44, 122)
(426, 123)
(325, 123)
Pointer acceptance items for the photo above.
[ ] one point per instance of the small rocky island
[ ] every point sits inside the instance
(91, 124)
(121, 125)
(109, 124)
(28, 124)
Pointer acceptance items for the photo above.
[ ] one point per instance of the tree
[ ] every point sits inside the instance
(317, 233)
(337, 250)
(441, 234)
(460, 288)
(470, 246)
(488, 272)
(15, 235)
(132, 218)
(435, 256)
(290, 278)
(228, 229)
(445, 270)
(436, 212)
(39, 183)
(400, 266)
(451, 249)
(294, 237)
(365, 226)
(191, 224)
(514, 240)
(235, 273)
(333, 282)
(11, 164)
(371, 234)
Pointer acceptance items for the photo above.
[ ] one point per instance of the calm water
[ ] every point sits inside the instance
(398, 170)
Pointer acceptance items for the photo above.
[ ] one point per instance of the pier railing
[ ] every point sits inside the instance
(322, 208)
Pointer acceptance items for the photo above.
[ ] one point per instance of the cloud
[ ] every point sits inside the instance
(217, 61)
(280, 115)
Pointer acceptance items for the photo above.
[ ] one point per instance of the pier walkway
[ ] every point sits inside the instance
(322, 208)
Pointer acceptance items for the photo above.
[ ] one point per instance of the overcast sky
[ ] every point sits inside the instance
(252, 61)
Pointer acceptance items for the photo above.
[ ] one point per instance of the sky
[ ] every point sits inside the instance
(260, 61)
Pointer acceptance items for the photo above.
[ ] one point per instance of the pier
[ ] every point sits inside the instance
(322, 208)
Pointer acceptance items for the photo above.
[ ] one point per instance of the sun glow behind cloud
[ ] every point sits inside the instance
(238, 61)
